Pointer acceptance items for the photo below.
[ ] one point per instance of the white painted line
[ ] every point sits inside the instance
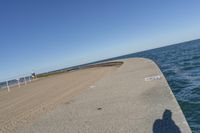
(157, 77)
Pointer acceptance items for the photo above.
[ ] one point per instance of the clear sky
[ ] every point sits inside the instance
(50, 34)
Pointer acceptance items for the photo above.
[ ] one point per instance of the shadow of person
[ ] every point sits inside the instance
(166, 124)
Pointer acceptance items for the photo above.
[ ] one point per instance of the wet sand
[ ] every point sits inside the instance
(22, 106)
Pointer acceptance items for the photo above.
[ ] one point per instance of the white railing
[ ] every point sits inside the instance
(26, 78)
(16, 81)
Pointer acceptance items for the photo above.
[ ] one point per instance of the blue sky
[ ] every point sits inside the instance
(41, 35)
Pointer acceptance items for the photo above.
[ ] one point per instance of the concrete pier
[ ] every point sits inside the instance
(133, 99)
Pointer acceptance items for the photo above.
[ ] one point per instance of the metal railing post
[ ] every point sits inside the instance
(8, 86)
(19, 83)
(29, 78)
(25, 80)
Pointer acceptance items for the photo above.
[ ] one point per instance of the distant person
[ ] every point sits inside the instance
(166, 124)
(33, 75)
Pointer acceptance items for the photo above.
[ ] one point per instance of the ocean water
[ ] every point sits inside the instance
(180, 63)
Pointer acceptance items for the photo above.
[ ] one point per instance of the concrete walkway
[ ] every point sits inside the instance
(122, 102)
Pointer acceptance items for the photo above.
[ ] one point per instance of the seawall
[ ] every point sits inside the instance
(135, 98)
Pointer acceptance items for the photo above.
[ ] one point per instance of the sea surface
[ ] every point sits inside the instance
(180, 63)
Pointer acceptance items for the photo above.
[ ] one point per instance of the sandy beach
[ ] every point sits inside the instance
(22, 106)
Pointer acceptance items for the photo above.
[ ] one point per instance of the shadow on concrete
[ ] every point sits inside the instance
(166, 124)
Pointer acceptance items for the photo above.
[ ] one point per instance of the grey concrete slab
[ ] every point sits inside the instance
(122, 102)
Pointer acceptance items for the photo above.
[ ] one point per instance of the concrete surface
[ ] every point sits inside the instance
(122, 102)
(22, 106)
